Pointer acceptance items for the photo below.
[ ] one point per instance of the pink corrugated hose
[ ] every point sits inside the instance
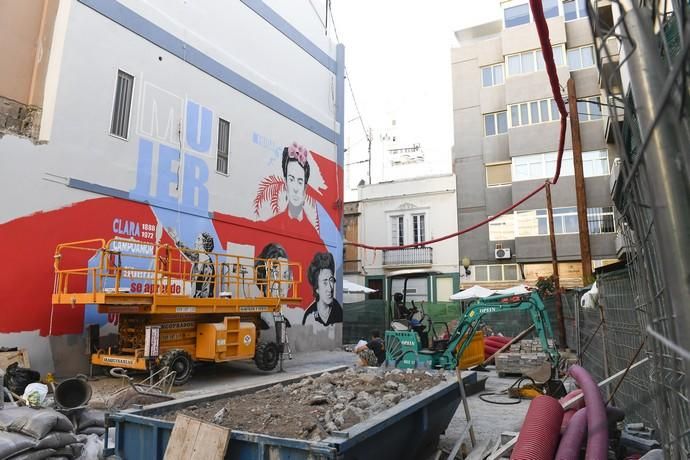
(571, 442)
(597, 425)
(538, 438)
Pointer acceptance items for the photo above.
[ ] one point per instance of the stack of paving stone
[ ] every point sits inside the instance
(523, 356)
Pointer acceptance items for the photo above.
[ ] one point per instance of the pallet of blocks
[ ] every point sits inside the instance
(523, 356)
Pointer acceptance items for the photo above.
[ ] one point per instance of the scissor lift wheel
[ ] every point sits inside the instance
(266, 356)
(179, 361)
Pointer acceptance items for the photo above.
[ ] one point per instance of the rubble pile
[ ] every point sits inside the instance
(313, 408)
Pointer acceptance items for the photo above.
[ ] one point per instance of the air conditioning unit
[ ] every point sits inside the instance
(502, 253)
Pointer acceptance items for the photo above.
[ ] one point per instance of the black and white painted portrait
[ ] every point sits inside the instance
(325, 309)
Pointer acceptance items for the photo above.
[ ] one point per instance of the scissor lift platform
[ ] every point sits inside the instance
(169, 274)
(206, 305)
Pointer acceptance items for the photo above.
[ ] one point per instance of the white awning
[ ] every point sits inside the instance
(354, 288)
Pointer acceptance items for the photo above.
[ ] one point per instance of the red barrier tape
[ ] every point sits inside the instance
(547, 52)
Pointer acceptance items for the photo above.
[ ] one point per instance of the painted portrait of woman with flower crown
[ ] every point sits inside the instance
(290, 197)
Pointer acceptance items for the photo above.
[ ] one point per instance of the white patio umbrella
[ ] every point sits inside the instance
(472, 293)
(515, 290)
(354, 288)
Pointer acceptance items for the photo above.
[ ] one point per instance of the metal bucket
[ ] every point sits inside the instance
(73, 393)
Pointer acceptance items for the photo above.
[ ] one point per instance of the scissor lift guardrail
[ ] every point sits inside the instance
(130, 276)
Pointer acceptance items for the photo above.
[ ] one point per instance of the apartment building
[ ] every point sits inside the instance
(506, 128)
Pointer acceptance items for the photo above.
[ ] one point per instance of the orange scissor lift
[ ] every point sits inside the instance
(204, 306)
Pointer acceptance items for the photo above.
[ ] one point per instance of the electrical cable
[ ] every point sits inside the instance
(349, 83)
(550, 65)
(517, 383)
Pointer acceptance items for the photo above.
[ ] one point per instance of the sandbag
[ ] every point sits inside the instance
(17, 378)
(55, 440)
(14, 443)
(71, 451)
(99, 430)
(10, 414)
(40, 423)
(34, 455)
(91, 417)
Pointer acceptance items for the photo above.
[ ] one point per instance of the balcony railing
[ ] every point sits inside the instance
(408, 256)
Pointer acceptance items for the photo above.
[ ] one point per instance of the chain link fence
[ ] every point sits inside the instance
(642, 53)
(607, 336)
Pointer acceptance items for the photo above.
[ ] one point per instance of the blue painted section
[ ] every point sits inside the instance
(340, 148)
(144, 168)
(277, 21)
(198, 134)
(194, 191)
(186, 226)
(109, 191)
(91, 315)
(333, 239)
(95, 188)
(146, 29)
(340, 103)
(167, 173)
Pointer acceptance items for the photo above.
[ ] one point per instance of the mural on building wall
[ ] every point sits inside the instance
(325, 308)
(203, 271)
(287, 210)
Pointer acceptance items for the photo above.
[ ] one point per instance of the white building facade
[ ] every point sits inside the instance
(161, 121)
(406, 212)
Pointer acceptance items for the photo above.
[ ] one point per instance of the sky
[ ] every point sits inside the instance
(397, 55)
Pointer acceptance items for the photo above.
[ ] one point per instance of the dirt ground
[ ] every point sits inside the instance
(314, 408)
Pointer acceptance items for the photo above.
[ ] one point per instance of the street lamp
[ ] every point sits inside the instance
(466, 265)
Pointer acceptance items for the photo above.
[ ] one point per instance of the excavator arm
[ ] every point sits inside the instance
(469, 323)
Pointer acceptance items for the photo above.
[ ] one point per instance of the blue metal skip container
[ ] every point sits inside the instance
(405, 431)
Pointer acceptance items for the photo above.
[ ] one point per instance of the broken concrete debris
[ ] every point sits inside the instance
(313, 408)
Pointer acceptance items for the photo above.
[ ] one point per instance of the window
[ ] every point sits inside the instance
(122, 106)
(532, 61)
(564, 220)
(223, 146)
(516, 15)
(492, 75)
(574, 9)
(543, 165)
(595, 163)
(397, 231)
(533, 112)
(495, 123)
(505, 272)
(502, 228)
(600, 220)
(377, 284)
(498, 174)
(567, 166)
(418, 232)
(557, 57)
(550, 8)
(589, 108)
(581, 58)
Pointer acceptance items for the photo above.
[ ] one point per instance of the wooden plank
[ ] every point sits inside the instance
(504, 449)
(20, 356)
(193, 439)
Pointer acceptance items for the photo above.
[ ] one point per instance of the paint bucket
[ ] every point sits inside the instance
(73, 393)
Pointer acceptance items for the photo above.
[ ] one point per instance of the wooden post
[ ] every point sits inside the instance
(554, 262)
(580, 193)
